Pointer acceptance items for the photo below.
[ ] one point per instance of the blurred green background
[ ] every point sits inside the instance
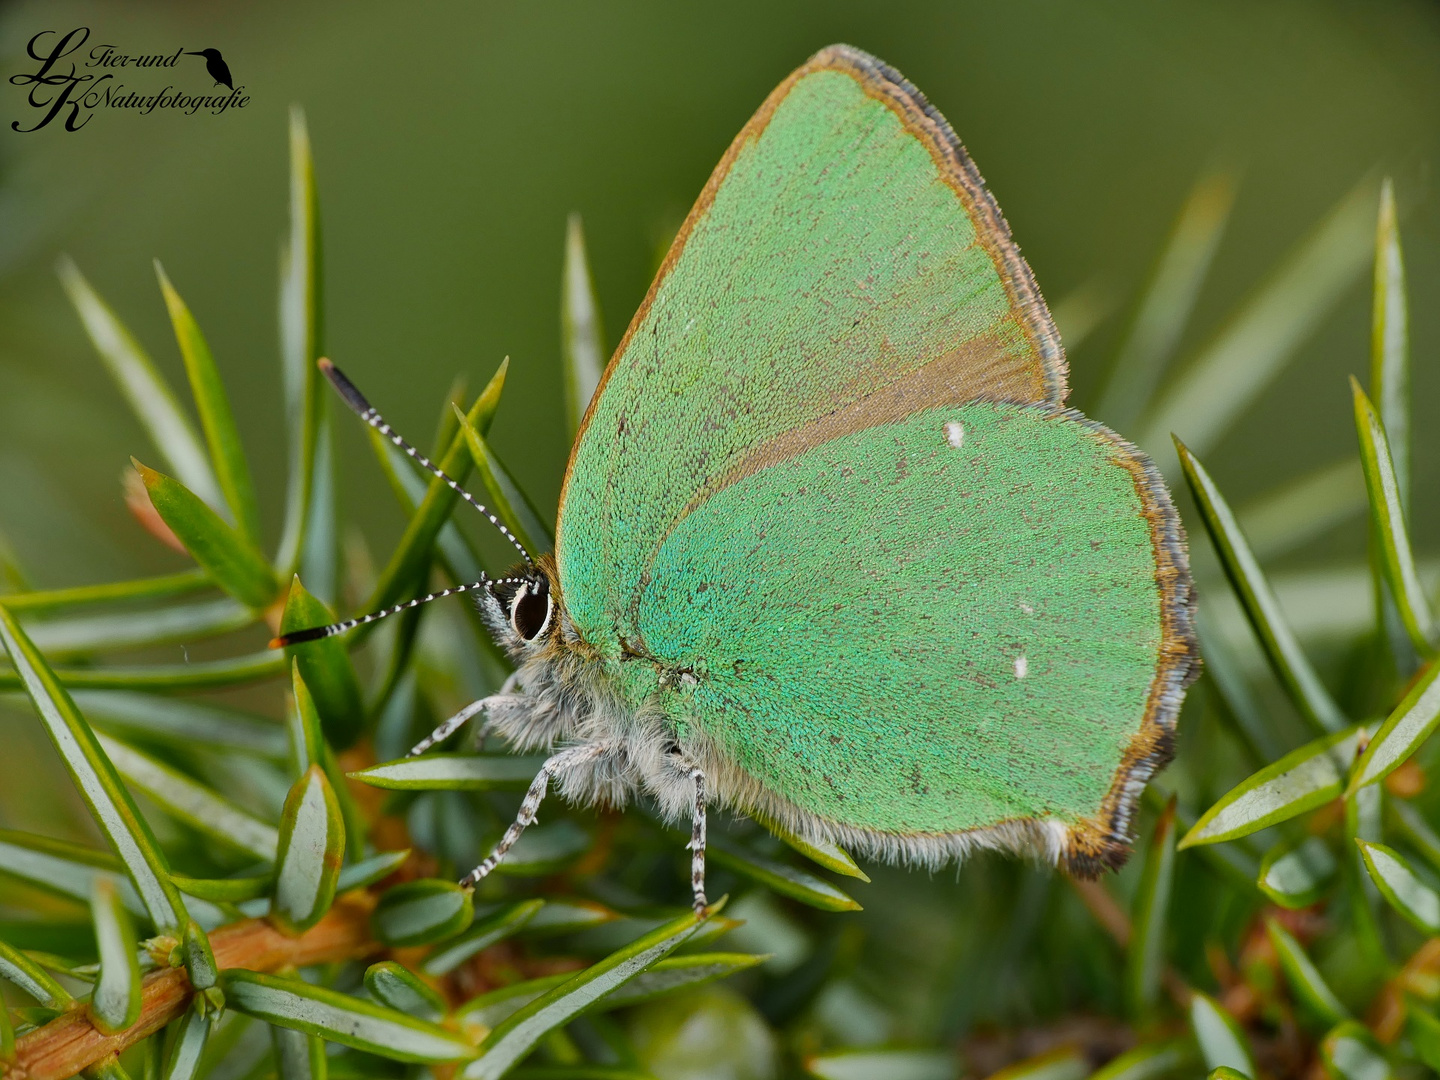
(452, 140)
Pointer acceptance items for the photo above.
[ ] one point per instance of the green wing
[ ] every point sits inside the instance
(843, 266)
(764, 496)
(907, 638)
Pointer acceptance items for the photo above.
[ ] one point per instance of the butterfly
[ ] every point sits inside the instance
(831, 550)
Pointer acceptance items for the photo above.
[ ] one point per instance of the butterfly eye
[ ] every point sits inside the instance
(530, 610)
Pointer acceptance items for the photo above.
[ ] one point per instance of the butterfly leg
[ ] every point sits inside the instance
(456, 722)
(553, 767)
(696, 846)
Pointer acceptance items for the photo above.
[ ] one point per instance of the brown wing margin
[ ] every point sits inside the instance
(885, 83)
(1104, 843)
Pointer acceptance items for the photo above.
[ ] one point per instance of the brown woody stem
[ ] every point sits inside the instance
(71, 1043)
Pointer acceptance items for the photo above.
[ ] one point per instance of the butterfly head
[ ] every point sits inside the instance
(523, 608)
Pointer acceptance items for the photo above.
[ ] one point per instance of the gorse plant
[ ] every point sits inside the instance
(301, 872)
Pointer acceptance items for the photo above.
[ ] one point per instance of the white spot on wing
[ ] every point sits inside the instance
(954, 434)
(1022, 666)
(1026, 608)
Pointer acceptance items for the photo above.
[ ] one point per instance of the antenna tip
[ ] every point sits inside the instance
(324, 364)
(277, 642)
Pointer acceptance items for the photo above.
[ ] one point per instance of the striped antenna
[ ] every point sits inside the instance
(314, 633)
(368, 413)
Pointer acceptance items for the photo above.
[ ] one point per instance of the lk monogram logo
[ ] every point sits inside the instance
(71, 88)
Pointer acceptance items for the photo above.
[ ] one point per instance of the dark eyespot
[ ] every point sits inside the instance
(530, 610)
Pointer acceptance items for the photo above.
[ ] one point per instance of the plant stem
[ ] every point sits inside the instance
(70, 1043)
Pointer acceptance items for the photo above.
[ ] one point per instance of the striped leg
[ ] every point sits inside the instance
(697, 843)
(553, 767)
(456, 722)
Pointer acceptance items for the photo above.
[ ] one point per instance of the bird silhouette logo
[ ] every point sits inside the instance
(216, 66)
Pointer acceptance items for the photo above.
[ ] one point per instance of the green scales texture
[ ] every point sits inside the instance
(764, 495)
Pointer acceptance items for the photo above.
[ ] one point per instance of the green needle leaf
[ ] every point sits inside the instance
(546, 849)
(341, 1018)
(582, 338)
(1390, 340)
(198, 675)
(355, 876)
(226, 453)
(144, 387)
(194, 804)
(95, 778)
(1268, 329)
(580, 1072)
(396, 986)
(7, 1035)
(301, 338)
(1168, 301)
(490, 1009)
(188, 1044)
(1309, 988)
(508, 502)
(1302, 780)
(829, 855)
(180, 624)
(1423, 1030)
(677, 973)
(1350, 1052)
(70, 870)
(1296, 875)
(786, 880)
(368, 871)
(1402, 732)
(1065, 1063)
(1399, 884)
(312, 844)
(421, 913)
(1290, 664)
(299, 1056)
(1237, 700)
(24, 974)
(1149, 1061)
(307, 740)
(518, 1035)
(325, 668)
(115, 1005)
(492, 927)
(1418, 834)
(1222, 1044)
(884, 1065)
(482, 413)
(308, 747)
(232, 561)
(164, 587)
(568, 916)
(452, 772)
(225, 890)
(183, 723)
(1387, 514)
(1145, 955)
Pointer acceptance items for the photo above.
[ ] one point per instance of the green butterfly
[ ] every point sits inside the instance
(831, 550)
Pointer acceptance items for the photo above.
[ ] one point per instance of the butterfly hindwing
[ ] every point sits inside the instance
(922, 632)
